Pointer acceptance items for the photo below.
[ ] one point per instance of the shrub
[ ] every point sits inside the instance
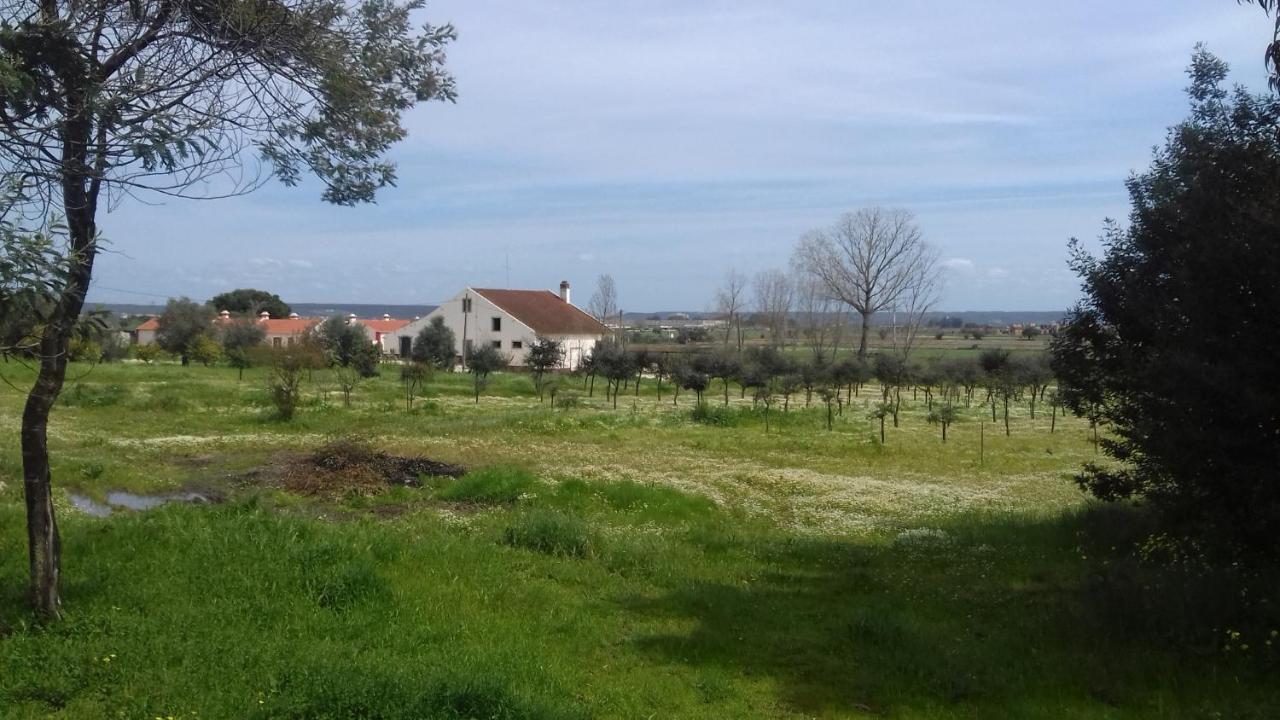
(568, 399)
(94, 395)
(490, 485)
(148, 353)
(717, 415)
(550, 532)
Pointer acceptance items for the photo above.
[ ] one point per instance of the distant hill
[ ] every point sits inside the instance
(364, 310)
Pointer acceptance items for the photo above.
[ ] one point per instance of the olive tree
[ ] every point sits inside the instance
(111, 100)
(481, 361)
(544, 355)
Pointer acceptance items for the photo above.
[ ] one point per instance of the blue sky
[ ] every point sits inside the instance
(665, 142)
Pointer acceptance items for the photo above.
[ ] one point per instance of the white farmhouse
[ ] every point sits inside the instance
(511, 320)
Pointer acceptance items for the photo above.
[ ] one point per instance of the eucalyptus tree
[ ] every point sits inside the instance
(103, 101)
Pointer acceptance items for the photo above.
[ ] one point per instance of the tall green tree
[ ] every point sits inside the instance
(1175, 343)
(435, 345)
(182, 321)
(247, 301)
(175, 98)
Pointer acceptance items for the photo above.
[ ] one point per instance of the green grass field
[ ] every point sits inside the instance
(594, 563)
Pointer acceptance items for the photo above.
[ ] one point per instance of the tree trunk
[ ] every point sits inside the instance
(862, 340)
(79, 203)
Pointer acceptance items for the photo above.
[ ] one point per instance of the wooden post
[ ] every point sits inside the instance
(982, 441)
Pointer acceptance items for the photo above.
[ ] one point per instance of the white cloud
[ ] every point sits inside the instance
(996, 273)
(959, 264)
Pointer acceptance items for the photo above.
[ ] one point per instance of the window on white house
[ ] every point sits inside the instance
(277, 342)
(466, 305)
(497, 344)
(517, 344)
(497, 324)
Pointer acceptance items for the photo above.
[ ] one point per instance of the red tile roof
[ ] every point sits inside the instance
(384, 326)
(544, 311)
(288, 326)
(149, 324)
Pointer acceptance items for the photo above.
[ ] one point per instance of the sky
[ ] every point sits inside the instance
(667, 142)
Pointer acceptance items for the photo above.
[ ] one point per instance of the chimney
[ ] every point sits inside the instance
(386, 316)
(264, 316)
(564, 290)
(225, 315)
(293, 316)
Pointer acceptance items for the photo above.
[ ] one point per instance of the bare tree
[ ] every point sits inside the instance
(731, 301)
(775, 294)
(604, 301)
(918, 299)
(187, 99)
(867, 260)
(821, 317)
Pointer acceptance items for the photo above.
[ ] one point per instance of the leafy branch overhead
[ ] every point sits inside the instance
(174, 92)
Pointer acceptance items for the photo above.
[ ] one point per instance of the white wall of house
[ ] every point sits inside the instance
(488, 324)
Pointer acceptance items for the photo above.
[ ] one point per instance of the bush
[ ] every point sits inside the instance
(717, 415)
(94, 395)
(82, 350)
(550, 532)
(148, 353)
(568, 399)
(490, 485)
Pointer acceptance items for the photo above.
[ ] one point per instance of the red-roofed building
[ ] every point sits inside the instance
(145, 333)
(382, 332)
(511, 320)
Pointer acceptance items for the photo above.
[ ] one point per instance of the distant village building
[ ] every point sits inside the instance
(382, 332)
(145, 333)
(511, 320)
(281, 332)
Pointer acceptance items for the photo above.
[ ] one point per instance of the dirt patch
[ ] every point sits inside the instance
(352, 467)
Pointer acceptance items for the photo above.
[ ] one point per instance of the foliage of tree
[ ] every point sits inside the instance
(435, 345)
(290, 366)
(204, 350)
(29, 282)
(175, 99)
(148, 353)
(182, 321)
(250, 302)
(482, 361)
(1271, 57)
(239, 338)
(347, 343)
(1175, 343)
(414, 375)
(544, 355)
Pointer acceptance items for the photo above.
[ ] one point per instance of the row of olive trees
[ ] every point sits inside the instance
(996, 378)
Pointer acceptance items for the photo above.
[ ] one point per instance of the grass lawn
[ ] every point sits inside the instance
(594, 563)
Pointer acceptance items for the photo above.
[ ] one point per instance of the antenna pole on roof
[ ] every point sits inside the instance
(507, 259)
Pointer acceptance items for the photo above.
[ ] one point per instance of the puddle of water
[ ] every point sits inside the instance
(121, 500)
